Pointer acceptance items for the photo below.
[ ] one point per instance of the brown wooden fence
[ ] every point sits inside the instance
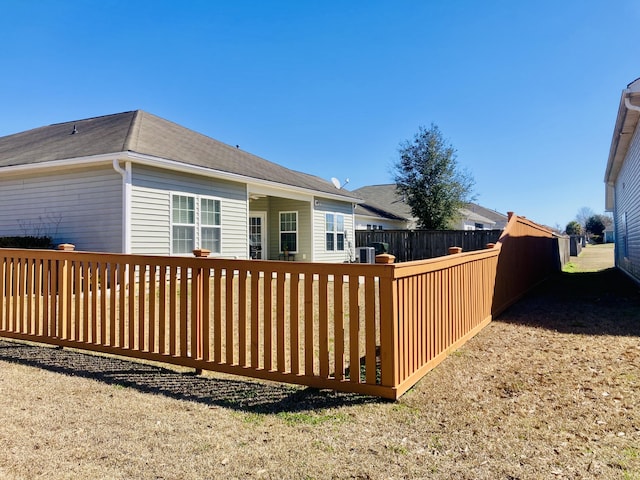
(373, 329)
(409, 245)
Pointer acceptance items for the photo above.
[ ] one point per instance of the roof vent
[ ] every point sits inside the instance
(75, 130)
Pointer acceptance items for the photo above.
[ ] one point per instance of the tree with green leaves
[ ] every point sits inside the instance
(573, 228)
(595, 225)
(428, 177)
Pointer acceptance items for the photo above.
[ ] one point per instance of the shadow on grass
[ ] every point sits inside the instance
(247, 396)
(595, 303)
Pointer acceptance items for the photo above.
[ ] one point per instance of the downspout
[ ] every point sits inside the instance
(126, 203)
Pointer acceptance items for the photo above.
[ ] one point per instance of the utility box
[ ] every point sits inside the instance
(366, 255)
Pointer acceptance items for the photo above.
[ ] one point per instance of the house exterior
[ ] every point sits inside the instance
(133, 182)
(497, 220)
(622, 179)
(384, 209)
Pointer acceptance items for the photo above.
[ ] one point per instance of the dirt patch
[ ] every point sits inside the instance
(549, 390)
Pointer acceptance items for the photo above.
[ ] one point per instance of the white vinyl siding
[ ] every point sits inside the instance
(627, 211)
(80, 206)
(366, 222)
(151, 210)
(323, 207)
(150, 216)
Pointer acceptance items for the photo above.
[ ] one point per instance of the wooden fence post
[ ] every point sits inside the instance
(197, 283)
(389, 361)
(454, 250)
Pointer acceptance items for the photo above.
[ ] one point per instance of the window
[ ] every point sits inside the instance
(334, 231)
(289, 231)
(195, 223)
(210, 227)
(184, 224)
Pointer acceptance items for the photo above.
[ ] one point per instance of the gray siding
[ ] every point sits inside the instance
(151, 209)
(321, 208)
(80, 206)
(362, 221)
(627, 211)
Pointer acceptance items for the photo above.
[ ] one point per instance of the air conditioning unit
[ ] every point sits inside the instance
(366, 255)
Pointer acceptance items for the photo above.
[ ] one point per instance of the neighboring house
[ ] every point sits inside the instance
(384, 208)
(622, 178)
(609, 235)
(135, 183)
(499, 219)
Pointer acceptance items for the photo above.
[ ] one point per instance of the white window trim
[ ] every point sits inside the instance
(197, 240)
(280, 231)
(335, 232)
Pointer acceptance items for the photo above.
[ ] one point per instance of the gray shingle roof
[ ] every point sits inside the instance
(496, 217)
(384, 197)
(385, 201)
(141, 132)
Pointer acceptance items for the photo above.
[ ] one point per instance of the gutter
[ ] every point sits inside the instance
(149, 160)
(627, 102)
(617, 133)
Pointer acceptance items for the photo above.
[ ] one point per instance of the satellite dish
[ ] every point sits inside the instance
(336, 183)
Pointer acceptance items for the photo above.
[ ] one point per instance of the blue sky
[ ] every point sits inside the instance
(527, 92)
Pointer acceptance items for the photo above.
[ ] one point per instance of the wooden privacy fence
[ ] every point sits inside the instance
(372, 329)
(409, 245)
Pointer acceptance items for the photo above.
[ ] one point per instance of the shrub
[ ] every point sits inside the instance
(28, 242)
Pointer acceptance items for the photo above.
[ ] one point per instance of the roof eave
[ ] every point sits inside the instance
(149, 160)
(65, 163)
(158, 162)
(626, 123)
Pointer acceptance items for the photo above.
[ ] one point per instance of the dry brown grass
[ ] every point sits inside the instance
(550, 390)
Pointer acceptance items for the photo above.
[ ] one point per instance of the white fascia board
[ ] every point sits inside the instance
(270, 191)
(255, 185)
(60, 164)
(363, 216)
(614, 157)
